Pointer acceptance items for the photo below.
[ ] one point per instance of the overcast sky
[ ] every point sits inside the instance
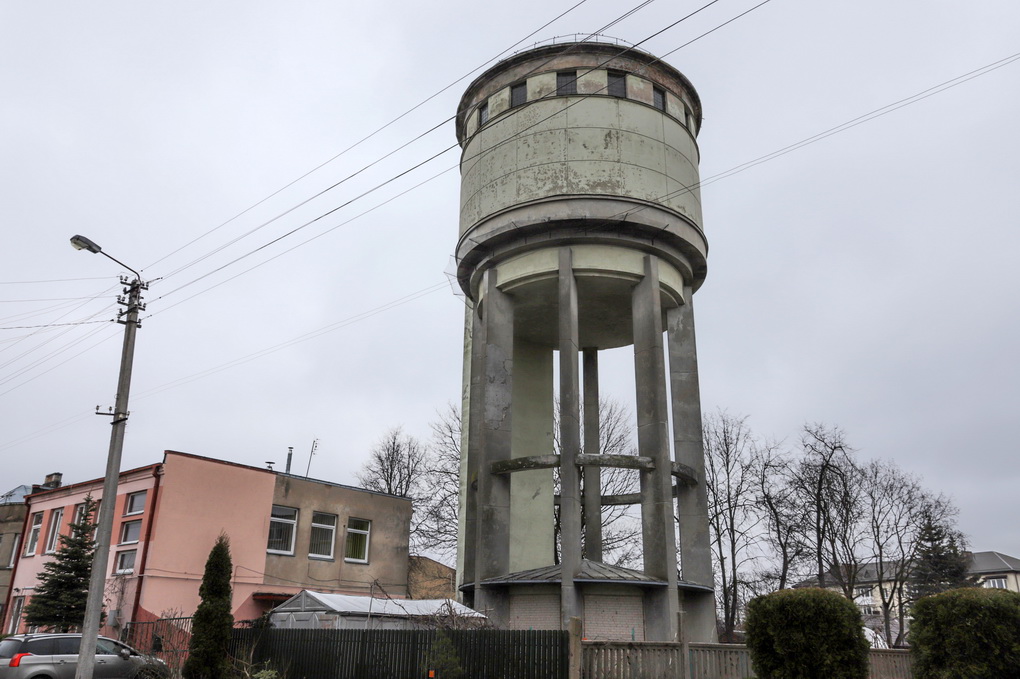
(866, 280)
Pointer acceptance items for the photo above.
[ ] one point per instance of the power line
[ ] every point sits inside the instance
(503, 119)
(350, 320)
(54, 280)
(373, 134)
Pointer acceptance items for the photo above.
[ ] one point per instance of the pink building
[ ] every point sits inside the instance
(287, 533)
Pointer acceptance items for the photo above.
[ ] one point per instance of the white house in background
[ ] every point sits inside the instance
(319, 610)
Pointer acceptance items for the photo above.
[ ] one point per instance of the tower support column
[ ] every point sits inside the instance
(570, 439)
(592, 496)
(658, 538)
(492, 532)
(692, 502)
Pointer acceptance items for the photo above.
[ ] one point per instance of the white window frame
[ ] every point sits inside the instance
(998, 580)
(318, 525)
(130, 501)
(119, 568)
(53, 531)
(33, 534)
(16, 606)
(358, 531)
(123, 532)
(284, 521)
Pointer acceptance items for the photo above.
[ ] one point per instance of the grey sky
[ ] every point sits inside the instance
(866, 280)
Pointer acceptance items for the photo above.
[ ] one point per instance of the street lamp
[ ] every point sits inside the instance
(104, 531)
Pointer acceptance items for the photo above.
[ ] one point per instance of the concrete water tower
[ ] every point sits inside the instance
(580, 231)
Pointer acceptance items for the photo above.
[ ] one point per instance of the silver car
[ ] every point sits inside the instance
(55, 656)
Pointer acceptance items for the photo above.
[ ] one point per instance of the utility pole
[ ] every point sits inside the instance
(104, 531)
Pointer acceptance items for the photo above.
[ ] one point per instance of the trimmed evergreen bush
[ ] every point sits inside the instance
(808, 633)
(213, 623)
(969, 633)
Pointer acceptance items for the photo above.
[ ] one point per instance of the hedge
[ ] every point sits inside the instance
(971, 633)
(807, 633)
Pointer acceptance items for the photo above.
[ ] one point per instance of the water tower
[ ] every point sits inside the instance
(580, 231)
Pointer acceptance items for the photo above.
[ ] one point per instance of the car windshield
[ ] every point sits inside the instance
(10, 647)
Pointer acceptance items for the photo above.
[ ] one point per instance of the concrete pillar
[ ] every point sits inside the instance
(570, 439)
(692, 502)
(592, 474)
(474, 453)
(465, 444)
(658, 539)
(493, 511)
(532, 539)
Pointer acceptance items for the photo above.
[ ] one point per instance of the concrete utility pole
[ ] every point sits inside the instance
(104, 530)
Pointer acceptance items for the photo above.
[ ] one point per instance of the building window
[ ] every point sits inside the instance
(282, 526)
(14, 551)
(659, 98)
(53, 532)
(358, 533)
(483, 113)
(33, 534)
(566, 83)
(135, 503)
(617, 84)
(130, 532)
(125, 562)
(518, 94)
(865, 599)
(994, 583)
(16, 606)
(323, 535)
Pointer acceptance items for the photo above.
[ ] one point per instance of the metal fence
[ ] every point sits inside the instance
(404, 654)
(166, 638)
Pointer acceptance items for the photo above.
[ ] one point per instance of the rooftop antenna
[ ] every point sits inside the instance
(315, 444)
(290, 456)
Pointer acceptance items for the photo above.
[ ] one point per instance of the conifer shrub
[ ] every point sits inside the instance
(213, 622)
(808, 633)
(971, 633)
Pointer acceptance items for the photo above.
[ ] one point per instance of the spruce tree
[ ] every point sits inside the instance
(59, 601)
(212, 625)
(941, 562)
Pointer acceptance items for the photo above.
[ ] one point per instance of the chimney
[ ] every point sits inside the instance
(52, 480)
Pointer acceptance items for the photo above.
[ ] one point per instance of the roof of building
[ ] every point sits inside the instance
(307, 600)
(981, 563)
(15, 496)
(992, 562)
(590, 572)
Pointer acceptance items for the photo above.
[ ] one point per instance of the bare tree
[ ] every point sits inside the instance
(784, 524)
(397, 465)
(828, 484)
(621, 530)
(441, 505)
(733, 509)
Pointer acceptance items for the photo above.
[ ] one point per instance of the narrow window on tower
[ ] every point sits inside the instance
(659, 98)
(617, 84)
(483, 113)
(518, 94)
(566, 83)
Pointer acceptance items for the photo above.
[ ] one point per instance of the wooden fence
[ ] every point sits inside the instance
(647, 660)
(631, 660)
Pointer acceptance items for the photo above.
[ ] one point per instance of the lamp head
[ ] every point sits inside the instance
(83, 243)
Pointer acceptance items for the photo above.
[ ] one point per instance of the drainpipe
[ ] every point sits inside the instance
(157, 473)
